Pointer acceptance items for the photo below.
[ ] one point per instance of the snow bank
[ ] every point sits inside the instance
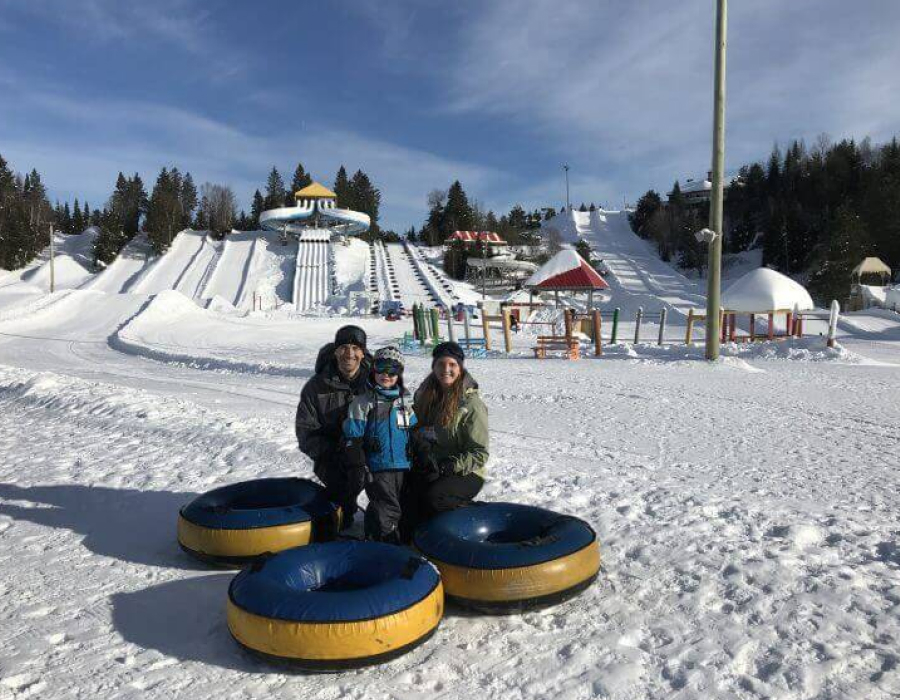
(892, 298)
(765, 290)
(68, 273)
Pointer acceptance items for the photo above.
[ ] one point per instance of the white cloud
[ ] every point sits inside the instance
(627, 86)
(79, 147)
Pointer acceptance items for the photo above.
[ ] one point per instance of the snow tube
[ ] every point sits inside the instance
(337, 605)
(229, 526)
(506, 557)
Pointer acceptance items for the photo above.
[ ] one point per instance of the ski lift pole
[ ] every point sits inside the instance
(615, 328)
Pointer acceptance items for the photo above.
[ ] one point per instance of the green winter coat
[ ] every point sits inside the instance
(465, 440)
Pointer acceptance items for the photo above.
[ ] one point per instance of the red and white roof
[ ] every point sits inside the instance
(479, 236)
(566, 270)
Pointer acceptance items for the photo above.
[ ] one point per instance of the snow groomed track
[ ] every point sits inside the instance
(313, 272)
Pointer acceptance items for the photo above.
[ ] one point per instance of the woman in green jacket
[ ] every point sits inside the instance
(450, 444)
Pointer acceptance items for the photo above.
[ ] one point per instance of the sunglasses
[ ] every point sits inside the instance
(389, 367)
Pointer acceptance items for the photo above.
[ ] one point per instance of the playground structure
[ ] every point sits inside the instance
(583, 331)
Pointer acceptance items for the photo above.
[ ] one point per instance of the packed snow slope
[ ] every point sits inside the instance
(746, 511)
(637, 275)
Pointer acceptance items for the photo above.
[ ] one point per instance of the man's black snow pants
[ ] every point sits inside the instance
(342, 486)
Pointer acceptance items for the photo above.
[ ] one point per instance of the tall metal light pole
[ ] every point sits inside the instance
(714, 274)
(566, 168)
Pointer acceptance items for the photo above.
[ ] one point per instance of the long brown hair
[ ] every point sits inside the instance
(438, 406)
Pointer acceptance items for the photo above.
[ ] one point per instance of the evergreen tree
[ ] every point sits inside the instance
(257, 207)
(343, 191)
(848, 245)
(367, 199)
(86, 215)
(457, 213)
(65, 224)
(300, 180)
(164, 215)
(78, 224)
(647, 206)
(275, 192)
(25, 217)
(188, 199)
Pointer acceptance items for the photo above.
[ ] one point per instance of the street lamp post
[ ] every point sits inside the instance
(566, 168)
(714, 281)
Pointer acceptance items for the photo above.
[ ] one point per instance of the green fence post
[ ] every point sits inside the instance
(435, 325)
(615, 328)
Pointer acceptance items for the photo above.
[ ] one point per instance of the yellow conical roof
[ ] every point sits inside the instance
(315, 190)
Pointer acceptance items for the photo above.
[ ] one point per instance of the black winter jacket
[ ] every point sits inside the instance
(323, 406)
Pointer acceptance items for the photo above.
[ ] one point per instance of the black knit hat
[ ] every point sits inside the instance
(448, 349)
(350, 335)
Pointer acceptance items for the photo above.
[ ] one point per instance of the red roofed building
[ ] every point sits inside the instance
(479, 237)
(566, 271)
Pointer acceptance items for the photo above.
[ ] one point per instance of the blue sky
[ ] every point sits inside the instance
(496, 93)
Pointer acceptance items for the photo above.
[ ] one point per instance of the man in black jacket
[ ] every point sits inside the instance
(341, 371)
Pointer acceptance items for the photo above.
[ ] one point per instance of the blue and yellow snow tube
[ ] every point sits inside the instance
(505, 557)
(232, 525)
(337, 605)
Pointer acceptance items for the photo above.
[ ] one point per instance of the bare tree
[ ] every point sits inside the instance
(218, 207)
(437, 199)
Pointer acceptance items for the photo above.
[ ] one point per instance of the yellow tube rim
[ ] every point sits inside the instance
(337, 641)
(521, 583)
(216, 542)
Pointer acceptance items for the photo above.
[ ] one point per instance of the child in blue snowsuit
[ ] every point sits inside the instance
(376, 434)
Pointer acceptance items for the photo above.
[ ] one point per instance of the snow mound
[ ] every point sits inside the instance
(765, 290)
(68, 273)
(892, 297)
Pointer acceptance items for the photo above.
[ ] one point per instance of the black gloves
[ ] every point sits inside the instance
(353, 456)
(432, 471)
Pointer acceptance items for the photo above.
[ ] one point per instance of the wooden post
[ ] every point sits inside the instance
(752, 327)
(637, 325)
(690, 327)
(487, 330)
(615, 328)
(415, 318)
(451, 333)
(598, 343)
(507, 332)
(771, 333)
(567, 320)
(788, 324)
(662, 325)
(833, 321)
(732, 328)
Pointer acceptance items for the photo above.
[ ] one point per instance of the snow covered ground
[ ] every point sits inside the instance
(746, 510)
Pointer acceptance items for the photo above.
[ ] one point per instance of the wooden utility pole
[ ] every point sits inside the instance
(714, 281)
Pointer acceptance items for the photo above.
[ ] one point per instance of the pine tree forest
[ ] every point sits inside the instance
(814, 212)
